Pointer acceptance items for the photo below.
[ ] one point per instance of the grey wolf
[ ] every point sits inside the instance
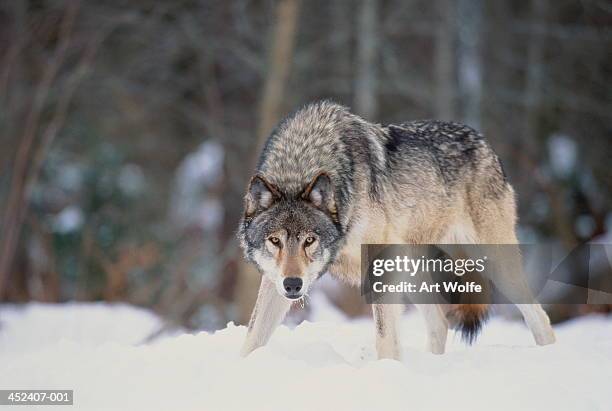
(328, 181)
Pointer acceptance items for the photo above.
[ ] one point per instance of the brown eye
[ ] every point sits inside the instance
(308, 241)
(274, 240)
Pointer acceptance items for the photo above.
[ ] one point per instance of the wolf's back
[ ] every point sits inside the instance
(367, 157)
(455, 152)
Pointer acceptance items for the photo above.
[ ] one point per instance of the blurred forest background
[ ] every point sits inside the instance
(128, 130)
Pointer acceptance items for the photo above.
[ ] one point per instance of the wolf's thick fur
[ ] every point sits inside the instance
(328, 181)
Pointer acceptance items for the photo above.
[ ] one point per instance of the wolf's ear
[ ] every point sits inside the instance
(260, 196)
(320, 192)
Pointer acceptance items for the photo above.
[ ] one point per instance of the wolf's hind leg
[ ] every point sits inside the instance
(437, 327)
(386, 317)
(495, 221)
(270, 310)
(538, 322)
(511, 282)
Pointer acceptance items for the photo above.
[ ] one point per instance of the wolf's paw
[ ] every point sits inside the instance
(388, 352)
(436, 341)
(247, 348)
(435, 347)
(545, 338)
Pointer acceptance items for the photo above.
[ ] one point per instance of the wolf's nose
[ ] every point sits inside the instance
(292, 285)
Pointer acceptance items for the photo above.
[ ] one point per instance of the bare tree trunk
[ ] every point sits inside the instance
(534, 75)
(279, 65)
(445, 61)
(270, 111)
(33, 147)
(470, 70)
(533, 99)
(340, 44)
(366, 87)
(25, 159)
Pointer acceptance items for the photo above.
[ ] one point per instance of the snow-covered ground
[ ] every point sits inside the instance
(328, 364)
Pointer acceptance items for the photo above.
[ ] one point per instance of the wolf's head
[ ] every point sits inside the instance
(291, 238)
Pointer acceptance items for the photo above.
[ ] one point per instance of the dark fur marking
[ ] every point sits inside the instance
(253, 318)
(379, 320)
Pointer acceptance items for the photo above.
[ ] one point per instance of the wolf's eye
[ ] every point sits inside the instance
(308, 241)
(274, 240)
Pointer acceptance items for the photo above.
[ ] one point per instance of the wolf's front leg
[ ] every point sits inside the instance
(270, 310)
(437, 327)
(385, 319)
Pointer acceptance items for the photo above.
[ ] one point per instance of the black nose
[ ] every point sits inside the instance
(292, 285)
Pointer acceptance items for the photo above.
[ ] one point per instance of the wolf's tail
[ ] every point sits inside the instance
(471, 311)
(468, 319)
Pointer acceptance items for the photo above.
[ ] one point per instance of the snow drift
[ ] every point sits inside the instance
(97, 350)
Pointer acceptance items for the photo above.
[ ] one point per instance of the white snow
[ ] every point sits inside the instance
(33, 327)
(97, 350)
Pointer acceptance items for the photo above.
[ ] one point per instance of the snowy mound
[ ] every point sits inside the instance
(97, 350)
